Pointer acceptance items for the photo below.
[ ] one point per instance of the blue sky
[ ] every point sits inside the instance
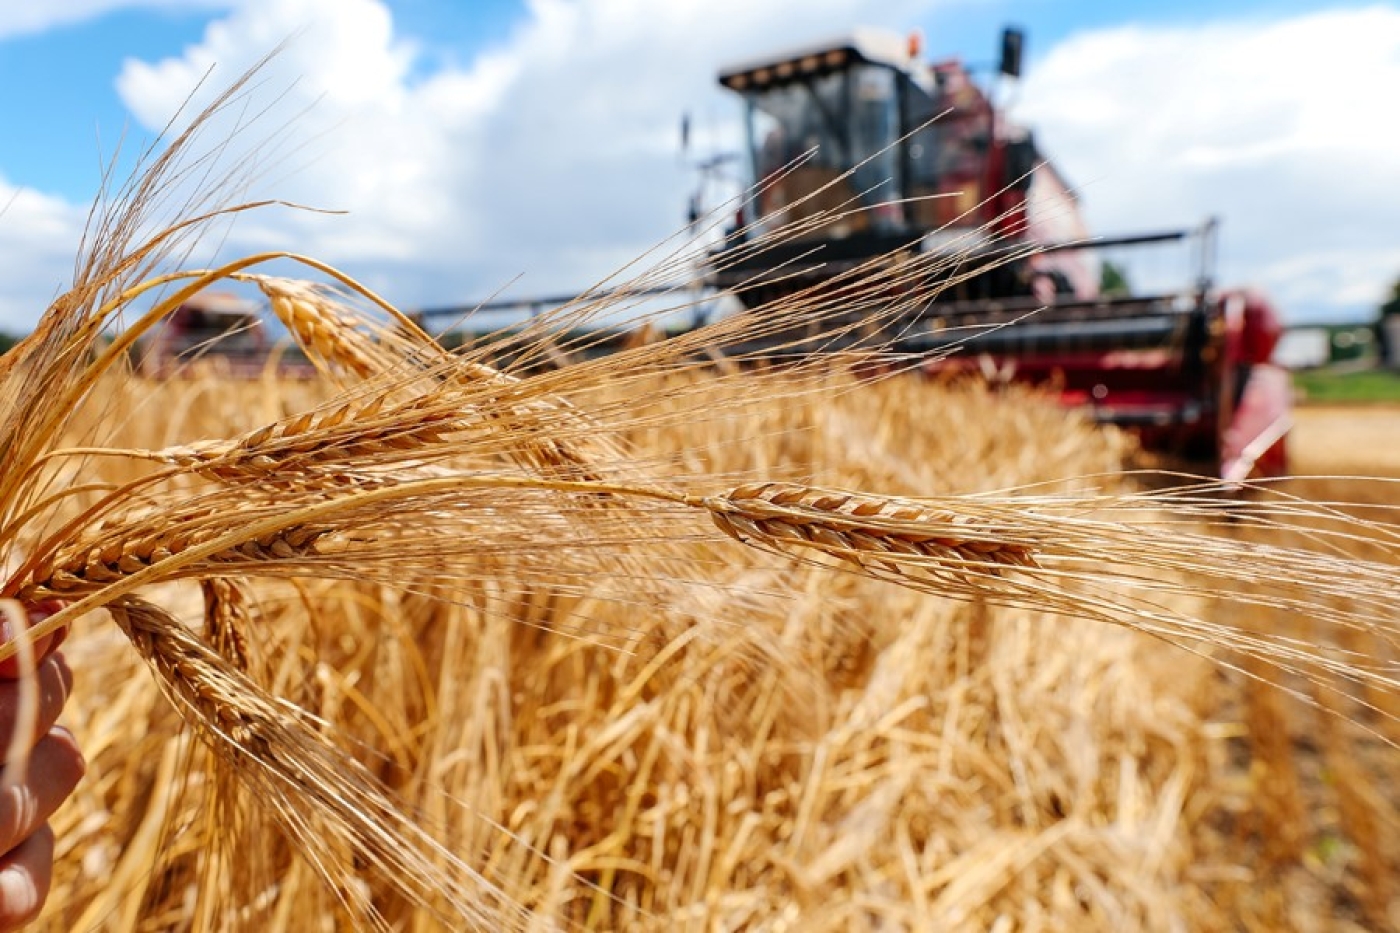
(62, 128)
(476, 142)
(59, 122)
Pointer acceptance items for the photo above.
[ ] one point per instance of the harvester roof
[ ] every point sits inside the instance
(862, 44)
(215, 311)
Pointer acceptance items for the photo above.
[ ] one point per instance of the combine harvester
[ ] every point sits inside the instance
(224, 331)
(220, 333)
(860, 153)
(932, 165)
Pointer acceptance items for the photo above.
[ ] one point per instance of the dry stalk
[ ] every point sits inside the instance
(1066, 562)
(320, 796)
(230, 823)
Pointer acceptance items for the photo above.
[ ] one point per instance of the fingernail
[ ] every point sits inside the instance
(18, 891)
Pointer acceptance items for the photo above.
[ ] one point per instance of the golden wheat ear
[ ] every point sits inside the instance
(343, 819)
(1130, 565)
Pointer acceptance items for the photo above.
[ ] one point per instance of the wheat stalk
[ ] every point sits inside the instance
(958, 547)
(320, 796)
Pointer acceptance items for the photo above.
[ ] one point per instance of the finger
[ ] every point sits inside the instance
(25, 875)
(55, 767)
(10, 667)
(55, 683)
(10, 629)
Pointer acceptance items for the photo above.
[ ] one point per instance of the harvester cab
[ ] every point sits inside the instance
(859, 149)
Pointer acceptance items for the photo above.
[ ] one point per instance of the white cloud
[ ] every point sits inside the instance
(39, 238)
(1283, 128)
(554, 154)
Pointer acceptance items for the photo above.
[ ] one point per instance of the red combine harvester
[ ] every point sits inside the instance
(222, 332)
(221, 329)
(935, 167)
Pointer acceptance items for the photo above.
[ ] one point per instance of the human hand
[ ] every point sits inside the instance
(53, 769)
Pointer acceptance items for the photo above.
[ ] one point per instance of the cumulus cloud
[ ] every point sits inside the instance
(553, 157)
(38, 238)
(1282, 128)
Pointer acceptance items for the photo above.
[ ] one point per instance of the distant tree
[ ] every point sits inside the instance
(6, 341)
(1388, 309)
(1113, 281)
(1393, 305)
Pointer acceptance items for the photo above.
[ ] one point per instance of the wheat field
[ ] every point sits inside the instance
(708, 736)
(668, 639)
